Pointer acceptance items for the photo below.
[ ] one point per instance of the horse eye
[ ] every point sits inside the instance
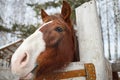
(59, 29)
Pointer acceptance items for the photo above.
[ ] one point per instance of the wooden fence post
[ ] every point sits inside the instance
(90, 40)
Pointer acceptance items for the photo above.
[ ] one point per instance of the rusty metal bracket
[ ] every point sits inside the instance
(88, 72)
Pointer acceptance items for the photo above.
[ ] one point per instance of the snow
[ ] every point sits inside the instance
(5, 74)
(17, 11)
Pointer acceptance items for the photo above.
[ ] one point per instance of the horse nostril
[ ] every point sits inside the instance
(24, 59)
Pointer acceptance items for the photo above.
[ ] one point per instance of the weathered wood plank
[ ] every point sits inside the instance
(8, 45)
(73, 71)
(90, 39)
(115, 66)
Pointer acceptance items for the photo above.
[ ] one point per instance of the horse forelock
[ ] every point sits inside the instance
(60, 20)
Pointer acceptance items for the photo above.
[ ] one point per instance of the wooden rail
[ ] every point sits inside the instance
(88, 72)
(115, 66)
(9, 45)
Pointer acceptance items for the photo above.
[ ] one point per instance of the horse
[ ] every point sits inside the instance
(51, 47)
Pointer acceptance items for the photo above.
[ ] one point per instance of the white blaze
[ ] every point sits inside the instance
(32, 46)
(45, 24)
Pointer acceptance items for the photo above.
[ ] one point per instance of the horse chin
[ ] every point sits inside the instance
(28, 76)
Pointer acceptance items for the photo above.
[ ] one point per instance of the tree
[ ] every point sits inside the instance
(74, 3)
(4, 29)
(23, 31)
(117, 26)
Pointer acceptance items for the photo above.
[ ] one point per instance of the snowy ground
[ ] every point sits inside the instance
(5, 74)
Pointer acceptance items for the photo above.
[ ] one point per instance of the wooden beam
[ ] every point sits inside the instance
(15, 45)
(4, 51)
(88, 72)
(10, 50)
(116, 67)
(6, 46)
(64, 75)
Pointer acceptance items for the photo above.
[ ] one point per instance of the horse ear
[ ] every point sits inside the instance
(66, 11)
(43, 14)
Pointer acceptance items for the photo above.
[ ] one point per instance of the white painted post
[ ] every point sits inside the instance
(90, 40)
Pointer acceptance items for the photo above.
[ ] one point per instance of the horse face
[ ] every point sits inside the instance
(51, 32)
(54, 33)
(24, 59)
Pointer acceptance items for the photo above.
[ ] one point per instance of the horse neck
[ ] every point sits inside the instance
(66, 47)
(62, 54)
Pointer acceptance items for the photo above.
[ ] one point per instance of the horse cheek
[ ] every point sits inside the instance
(53, 39)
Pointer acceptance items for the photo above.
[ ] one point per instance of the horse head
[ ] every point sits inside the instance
(50, 47)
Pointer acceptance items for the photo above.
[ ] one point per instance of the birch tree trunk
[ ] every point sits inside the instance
(117, 27)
